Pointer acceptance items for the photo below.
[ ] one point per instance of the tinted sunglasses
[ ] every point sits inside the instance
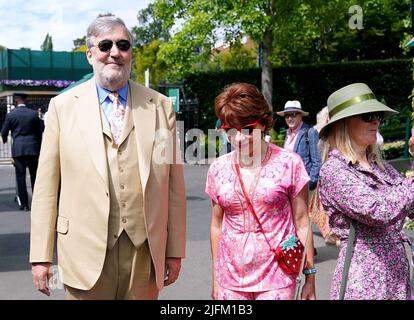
(291, 115)
(106, 45)
(369, 117)
(246, 129)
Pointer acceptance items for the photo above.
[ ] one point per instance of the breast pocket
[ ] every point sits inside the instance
(62, 225)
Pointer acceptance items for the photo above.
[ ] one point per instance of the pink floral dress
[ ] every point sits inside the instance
(244, 260)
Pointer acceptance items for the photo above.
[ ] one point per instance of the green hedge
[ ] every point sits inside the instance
(390, 80)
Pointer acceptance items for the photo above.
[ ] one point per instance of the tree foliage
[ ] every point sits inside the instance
(289, 32)
(79, 44)
(237, 57)
(82, 48)
(146, 58)
(293, 32)
(322, 32)
(149, 28)
(47, 44)
(203, 23)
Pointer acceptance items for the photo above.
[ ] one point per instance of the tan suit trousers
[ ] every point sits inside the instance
(122, 277)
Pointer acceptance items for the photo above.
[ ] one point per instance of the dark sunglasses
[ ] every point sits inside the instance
(106, 45)
(291, 115)
(369, 117)
(246, 129)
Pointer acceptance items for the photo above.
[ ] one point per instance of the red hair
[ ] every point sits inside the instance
(241, 104)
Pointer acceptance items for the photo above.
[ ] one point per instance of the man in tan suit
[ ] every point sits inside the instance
(116, 202)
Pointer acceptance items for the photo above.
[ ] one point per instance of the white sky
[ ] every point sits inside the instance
(25, 23)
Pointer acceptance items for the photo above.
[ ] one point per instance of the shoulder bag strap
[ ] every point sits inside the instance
(249, 203)
(236, 165)
(412, 274)
(347, 263)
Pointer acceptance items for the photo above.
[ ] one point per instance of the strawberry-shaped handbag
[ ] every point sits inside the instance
(290, 253)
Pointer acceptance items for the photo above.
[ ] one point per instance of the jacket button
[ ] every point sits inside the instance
(124, 220)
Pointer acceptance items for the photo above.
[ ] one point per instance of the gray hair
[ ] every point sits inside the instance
(105, 24)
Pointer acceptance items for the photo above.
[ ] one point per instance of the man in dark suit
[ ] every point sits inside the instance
(26, 129)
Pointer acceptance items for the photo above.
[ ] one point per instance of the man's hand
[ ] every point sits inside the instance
(172, 270)
(41, 276)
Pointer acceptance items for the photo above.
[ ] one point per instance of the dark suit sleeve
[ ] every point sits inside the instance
(5, 129)
(315, 158)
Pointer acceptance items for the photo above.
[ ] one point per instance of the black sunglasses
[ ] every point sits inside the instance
(369, 117)
(291, 115)
(106, 45)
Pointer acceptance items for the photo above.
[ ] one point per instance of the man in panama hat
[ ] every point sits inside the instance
(302, 139)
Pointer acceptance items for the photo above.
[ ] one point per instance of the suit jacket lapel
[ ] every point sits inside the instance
(106, 128)
(143, 112)
(128, 123)
(88, 115)
(300, 135)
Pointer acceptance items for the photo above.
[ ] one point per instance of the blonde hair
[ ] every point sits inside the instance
(322, 118)
(337, 137)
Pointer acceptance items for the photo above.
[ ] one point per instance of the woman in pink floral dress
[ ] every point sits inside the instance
(244, 266)
(357, 188)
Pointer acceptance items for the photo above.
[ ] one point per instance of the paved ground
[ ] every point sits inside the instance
(195, 280)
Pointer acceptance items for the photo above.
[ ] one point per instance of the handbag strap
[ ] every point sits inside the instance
(249, 203)
(347, 263)
(314, 201)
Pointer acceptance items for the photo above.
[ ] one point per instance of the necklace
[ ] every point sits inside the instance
(254, 163)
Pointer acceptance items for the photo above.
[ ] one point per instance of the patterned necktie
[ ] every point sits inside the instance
(116, 118)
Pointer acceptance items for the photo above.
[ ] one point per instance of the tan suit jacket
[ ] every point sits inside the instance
(71, 194)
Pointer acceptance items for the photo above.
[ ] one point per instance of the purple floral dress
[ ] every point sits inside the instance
(376, 202)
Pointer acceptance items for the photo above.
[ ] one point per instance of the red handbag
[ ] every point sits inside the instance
(289, 252)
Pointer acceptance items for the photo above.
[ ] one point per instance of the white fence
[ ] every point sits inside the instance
(5, 151)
